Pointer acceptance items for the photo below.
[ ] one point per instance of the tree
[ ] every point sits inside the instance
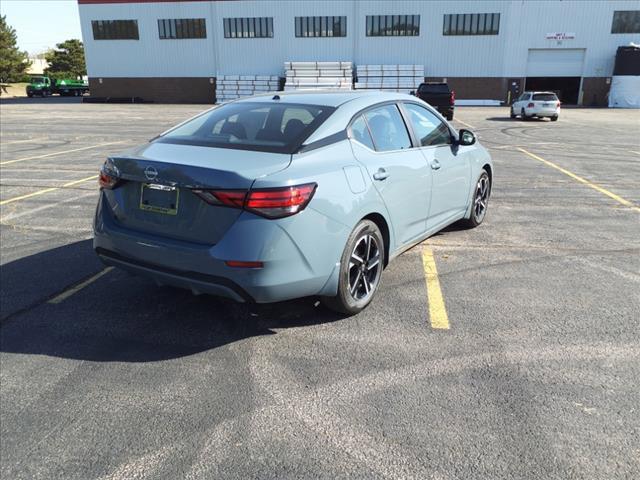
(13, 62)
(67, 60)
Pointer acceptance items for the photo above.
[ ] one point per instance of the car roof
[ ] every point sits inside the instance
(326, 97)
(539, 91)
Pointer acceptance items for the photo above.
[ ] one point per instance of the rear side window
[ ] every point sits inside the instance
(387, 128)
(277, 127)
(360, 132)
(545, 97)
(429, 129)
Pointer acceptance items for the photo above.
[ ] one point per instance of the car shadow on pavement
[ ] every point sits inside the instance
(121, 318)
(518, 119)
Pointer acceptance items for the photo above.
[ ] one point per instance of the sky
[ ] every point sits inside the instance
(40, 24)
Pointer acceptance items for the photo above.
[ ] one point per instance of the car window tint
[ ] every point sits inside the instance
(429, 129)
(255, 126)
(387, 128)
(545, 97)
(360, 132)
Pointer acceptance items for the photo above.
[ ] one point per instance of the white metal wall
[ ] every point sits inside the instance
(523, 26)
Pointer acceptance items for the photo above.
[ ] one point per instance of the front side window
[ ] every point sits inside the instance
(115, 29)
(393, 25)
(258, 126)
(429, 129)
(181, 28)
(387, 129)
(253, 27)
(626, 21)
(360, 132)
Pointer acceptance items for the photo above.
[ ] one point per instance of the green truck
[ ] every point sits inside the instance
(45, 86)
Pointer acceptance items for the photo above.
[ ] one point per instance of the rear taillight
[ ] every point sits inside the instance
(452, 98)
(558, 105)
(531, 105)
(267, 202)
(107, 181)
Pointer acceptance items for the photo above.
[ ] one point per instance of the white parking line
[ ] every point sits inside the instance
(24, 141)
(464, 123)
(60, 153)
(13, 216)
(47, 190)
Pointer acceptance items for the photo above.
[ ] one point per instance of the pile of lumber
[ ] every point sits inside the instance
(231, 87)
(311, 75)
(390, 78)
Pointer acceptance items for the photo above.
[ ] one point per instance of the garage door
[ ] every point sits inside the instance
(565, 62)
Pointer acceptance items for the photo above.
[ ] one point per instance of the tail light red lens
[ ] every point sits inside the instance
(267, 202)
(452, 98)
(107, 181)
(558, 105)
(239, 264)
(531, 105)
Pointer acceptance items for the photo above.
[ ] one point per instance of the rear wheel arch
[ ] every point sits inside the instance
(380, 221)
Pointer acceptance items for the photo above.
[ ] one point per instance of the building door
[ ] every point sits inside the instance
(556, 69)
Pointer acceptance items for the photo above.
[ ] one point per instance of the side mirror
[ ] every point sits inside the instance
(412, 92)
(466, 137)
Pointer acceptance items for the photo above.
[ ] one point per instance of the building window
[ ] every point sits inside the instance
(115, 29)
(393, 25)
(471, 24)
(626, 21)
(176, 28)
(261, 27)
(321, 26)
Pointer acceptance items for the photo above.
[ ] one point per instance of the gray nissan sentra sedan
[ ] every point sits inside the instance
(288, 195)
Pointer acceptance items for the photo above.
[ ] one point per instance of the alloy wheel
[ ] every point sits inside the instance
(481, 199)
(364, 267)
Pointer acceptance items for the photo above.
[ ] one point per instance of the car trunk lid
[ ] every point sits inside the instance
(155, 196)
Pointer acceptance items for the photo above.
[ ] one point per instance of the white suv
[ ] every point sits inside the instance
(536, 104)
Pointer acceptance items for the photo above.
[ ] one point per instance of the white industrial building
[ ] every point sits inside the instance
(176, 50)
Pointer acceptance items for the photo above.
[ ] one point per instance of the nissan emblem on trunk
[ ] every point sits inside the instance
(150, 172)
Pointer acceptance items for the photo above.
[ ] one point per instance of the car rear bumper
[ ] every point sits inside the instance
(542, 112)
(290, 268)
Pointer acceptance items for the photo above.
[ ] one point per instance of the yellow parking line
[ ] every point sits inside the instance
(464, 123)
(59, 153)
(24, 141)
(604, 191)
(73, 290)
(46, 190)
(437, 309)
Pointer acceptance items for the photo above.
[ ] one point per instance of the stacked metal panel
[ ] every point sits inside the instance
(307, 75)
(231, 87)
(390, 78)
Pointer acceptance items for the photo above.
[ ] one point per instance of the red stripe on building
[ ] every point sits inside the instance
(96, 2)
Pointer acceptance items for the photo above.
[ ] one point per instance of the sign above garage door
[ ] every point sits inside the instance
(560, 36)
(555, 62)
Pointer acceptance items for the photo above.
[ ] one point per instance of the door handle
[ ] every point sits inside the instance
(381, 174)
(435, 165)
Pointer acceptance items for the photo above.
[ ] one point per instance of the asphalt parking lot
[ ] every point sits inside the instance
(107, 376)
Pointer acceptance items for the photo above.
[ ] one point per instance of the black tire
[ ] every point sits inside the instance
(449, 116)
(30, 94)
(554, 118)
(355, 276)
(511, 114)
(523, 115)
(476, 217)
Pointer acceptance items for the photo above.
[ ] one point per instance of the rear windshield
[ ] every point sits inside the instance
(545, 97)
(268, 127)
(434, 88)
